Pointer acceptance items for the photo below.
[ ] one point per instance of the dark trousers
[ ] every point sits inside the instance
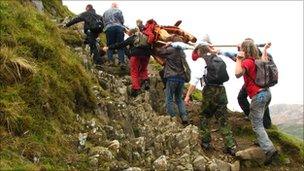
(244, 104)
(94, 46)
(115, 34)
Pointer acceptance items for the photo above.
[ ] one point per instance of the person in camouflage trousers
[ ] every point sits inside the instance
(214, 103)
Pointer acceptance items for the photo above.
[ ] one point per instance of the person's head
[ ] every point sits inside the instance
(202, 49)
(114, 5)
(206, 38)
(132, 31)
(249, 48)
(139, 22)
(89, 7)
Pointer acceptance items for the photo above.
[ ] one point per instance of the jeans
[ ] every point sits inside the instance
(257, 108)
(245, 106)
(94, 46)
(115, 34)
(175, 88)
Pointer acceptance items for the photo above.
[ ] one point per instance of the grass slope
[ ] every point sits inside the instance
(43, 86)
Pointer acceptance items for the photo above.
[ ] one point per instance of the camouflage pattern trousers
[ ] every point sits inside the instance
(215, 103)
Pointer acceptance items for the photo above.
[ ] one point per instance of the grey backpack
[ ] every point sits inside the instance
(266, 73)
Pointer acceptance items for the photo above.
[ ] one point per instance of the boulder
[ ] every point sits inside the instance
(161, 163)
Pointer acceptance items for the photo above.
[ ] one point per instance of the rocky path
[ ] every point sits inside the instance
(135, 133)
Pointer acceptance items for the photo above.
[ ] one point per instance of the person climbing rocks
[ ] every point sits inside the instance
(90, 19)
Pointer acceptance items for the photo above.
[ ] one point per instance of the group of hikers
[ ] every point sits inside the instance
(142, 44)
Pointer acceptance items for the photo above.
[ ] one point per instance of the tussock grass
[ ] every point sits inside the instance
(43, 86)
(14, 69)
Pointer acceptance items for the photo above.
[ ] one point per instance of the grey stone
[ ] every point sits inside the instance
(219, 165)
(160, 163)
(104, 153)
(236, 166)
(252, 153)
(133, 169)
(38, 4)
(199, 163)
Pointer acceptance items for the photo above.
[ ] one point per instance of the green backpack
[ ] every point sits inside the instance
(140, 40)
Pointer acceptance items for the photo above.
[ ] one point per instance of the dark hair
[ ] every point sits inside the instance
(203, 49)
(89, 6)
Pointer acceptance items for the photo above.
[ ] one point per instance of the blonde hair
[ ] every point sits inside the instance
(250, 49)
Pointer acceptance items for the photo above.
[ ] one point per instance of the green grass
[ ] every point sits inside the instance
(43, 86)
(289, 144)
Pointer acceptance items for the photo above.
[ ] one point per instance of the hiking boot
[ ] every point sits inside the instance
(145, 84)
(270, 155)
(256, 143)
(134, 92)
(185, 120)
(231, 151)
(98, 66)
(123, 66)
(206, 146)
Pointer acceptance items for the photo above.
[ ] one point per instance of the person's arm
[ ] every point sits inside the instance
(189, 92)
(230, 55)
(120, 17)
(128, 41)
(75, 20)
(181, 45)
(239, 70)
(265, 54)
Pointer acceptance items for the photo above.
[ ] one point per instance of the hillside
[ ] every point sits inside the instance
(288, 118)
(59, 113)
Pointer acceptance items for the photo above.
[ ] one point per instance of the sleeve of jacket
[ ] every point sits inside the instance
(163, 52)
(120, 17)
(75, 20)
(128, 41)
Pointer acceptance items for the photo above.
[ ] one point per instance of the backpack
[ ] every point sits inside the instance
(97, 24)
(140, 40)
(266, 73)
(187, 70)
(216, 70)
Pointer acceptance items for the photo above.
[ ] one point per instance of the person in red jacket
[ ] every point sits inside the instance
(139, 55)
(245, 66)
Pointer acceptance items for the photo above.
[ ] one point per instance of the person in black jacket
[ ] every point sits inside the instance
(174, 74)
(139, 54)
(89, 17)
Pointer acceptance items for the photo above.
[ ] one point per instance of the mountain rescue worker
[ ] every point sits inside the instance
(139, 54)
(175, 78)
(242, 96)
(214, 102)
(114, 29)
(245, 66)
(89, 17)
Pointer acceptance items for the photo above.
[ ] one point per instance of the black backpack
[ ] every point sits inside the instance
(96, 24)
(216, 70)
(186, 69)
